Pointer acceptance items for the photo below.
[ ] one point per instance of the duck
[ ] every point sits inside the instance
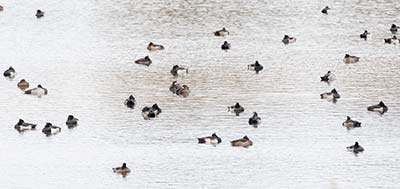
(38, 91)
(22, 126)
(151, 112)
(350, 59)
(23, 84)
(394, 29)
(177, 70)
(122, 170)
(356, 148)
(183, 91)
(364, 35)
(255, 120)
(144, 61)
(148, 113)
(237, 109)
(226, 46)
(10, 73)
(243, 142)
(328, 77)
(1, 8)
(222, 32)
(71, 121)
(381, 108)
(214, 139)
(392, 40)
(154, 47)
(130, 102)
(50, 129)
(257, 67)
(286, 39)
(325, 10)
(333, 95)
(349, 123)
(39, 13)
(174, 87)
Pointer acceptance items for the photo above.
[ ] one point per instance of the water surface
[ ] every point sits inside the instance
(83, 52)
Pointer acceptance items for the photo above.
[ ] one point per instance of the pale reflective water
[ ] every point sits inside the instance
(83, 52)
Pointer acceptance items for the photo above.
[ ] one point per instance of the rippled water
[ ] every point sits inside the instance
(83, 52)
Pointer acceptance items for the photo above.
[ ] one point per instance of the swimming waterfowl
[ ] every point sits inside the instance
(349, 123)
(39, 14)
(325, 10)
(177, 70)
(255, 67)
(237, 109)
(255, 120)
(10, 73)
(144, 61)
(148, 113)
(213, 139)
(222, 32)
(38, 91)
(71, 121)
(328, 77)
(226, 46)
(23, 126)
(243, 142)
(356, 148)
(350, 59)
(183, 91)
(394, 29)
(174, 87)
(154, 47)
(23, 84)
(1, 8)
(130, 102)
(381, 108)
(392, 40)
(333, 95)
(122, 170)
(151, 112)
(364, 35)
(286, 39)
(50, 129)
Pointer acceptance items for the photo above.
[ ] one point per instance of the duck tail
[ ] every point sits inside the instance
(201, 140)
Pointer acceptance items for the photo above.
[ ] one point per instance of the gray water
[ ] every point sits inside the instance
(83, 53)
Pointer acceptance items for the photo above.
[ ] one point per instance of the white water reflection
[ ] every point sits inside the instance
(83, 52)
